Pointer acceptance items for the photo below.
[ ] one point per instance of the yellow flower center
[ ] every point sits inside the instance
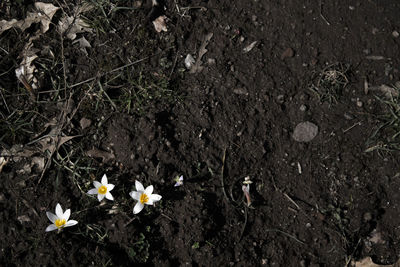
(60, 223)
(102, 190)
(144, 198)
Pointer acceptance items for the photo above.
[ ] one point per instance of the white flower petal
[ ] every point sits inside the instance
(138, 208)
(52, 217)
(104, 180)
(93, 191)
(66, 215)
(155, 197)
(110, 187)
(109, 196)
(59, 211)
(70, 223)
(139, 186)
(100, 197)
(135, 195)
(96, 184)
(149, 190)
(51, 227)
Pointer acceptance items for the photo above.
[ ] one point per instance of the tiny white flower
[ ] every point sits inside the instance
(178, 180)
(102, 189)
(60, 219)
(143, 196)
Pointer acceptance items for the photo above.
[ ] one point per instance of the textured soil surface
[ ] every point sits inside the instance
(324, 197)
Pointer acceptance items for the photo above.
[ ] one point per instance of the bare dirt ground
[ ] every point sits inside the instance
(300, 97)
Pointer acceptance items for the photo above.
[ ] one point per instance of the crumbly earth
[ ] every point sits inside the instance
(325, 202)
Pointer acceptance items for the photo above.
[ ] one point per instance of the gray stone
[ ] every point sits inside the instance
(305, 132)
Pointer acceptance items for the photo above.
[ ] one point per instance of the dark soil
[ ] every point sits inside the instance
(319, 203)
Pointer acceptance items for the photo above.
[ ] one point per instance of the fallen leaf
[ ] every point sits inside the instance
(16, 153)
(202, 51)
(3, 162)
(72, 26)
(43, 15)
(367, 262)
(52, 143)
(97, 153)
(387, 91)
(83, 44)
(25, 71)
(159, 24)
(85, 123)
(39, 162)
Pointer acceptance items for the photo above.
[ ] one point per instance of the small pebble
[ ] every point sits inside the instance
(395, 34)
(305, 132)
(211, 61)
(303, 108)
(289, 52)
(359, 103)
(280, 99)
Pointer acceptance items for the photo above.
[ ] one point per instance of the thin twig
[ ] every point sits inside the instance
(63, 62)
(291, 200)
(351, 127)
(320, 13)
(222, 176)
(173, 67)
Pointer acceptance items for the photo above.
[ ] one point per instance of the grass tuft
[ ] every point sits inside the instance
(329, 83)
(387, 135)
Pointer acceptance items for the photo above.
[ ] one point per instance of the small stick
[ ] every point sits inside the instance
(320, 13)
(222, 176)
(351, 127)
(291, 200)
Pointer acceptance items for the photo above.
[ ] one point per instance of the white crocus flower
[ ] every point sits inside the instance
(143, 196)
(102, 189)
(60, 219)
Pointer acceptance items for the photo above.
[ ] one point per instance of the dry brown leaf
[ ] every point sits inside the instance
(159, 24)
(387, 91)
(202, 51)
(97, 153)
(367, 262)
(72, 26)
(3, 162)
(39, 162)
(83, 44)
(43, 15)
(52, 143)
(25, 71)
